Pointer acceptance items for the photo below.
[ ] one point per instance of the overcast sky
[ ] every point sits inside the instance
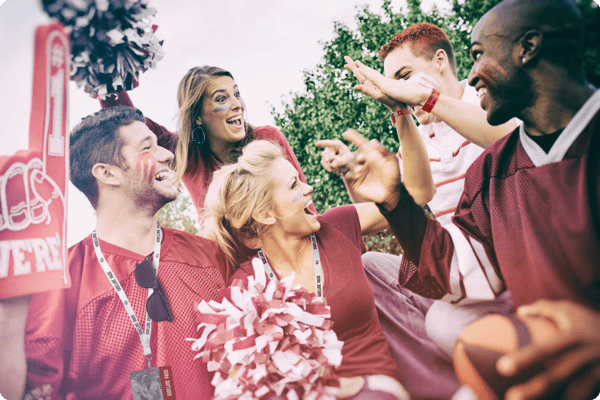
(265, 44)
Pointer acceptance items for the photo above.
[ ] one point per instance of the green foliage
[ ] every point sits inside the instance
(329, 105)
(179, 214)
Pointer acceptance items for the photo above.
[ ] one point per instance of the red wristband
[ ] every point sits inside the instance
(433, 98)
(399, 113)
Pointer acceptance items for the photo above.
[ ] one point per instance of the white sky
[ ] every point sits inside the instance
(265, 44)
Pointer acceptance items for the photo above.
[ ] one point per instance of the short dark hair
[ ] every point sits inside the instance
(423, 39)
(97, 139)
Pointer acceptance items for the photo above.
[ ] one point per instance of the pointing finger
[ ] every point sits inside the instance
(355, 138)
(325, 144)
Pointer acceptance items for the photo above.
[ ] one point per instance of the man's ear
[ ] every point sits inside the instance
(531, 44)
(441, 59)
(107, 174)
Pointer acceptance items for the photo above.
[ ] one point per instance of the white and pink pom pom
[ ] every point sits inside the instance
(266, 337)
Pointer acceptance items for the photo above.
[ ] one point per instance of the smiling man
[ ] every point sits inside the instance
(84, 342)
(531, 205)
(419, 63)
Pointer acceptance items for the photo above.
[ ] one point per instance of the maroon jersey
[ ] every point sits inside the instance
(530, 217)
(80, 343)
(349, 295)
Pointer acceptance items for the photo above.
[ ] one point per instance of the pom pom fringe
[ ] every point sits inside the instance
(112, 41)
(266, 338)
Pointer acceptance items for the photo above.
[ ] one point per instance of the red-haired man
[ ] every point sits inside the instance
(434, 158)
(531, 204)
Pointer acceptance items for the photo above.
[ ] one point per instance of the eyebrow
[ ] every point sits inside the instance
(224, 90)
(294, 179)
(473, 44)
(141, 142)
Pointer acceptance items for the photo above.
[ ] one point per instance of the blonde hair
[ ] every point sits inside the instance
(239, 195)
(189, 98)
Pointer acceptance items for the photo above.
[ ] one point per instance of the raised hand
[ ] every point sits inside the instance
(413, 93)
(376, 173)
(571, 361)
(336, 157)
(370, 89)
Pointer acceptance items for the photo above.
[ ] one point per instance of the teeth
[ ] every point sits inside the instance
(161, 176)
(235, 120)
(481, 92)
(307, 205)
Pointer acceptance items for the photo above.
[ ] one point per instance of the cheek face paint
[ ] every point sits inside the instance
(146, 163)
(297, 197)
(221, 108)
(490, 72)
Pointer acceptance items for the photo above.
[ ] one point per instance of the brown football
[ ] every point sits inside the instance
(482, 343)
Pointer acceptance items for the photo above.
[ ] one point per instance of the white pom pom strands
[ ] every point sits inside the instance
(265, 337)
(112, 41)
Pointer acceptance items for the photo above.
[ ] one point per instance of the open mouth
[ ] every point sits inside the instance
(237, 120)
(165, 174)
(307, 210)
(481, 92)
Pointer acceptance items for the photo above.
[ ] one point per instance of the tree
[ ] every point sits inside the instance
(180, 214)
(328, 105)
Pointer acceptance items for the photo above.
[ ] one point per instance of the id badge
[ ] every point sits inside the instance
(153, 384)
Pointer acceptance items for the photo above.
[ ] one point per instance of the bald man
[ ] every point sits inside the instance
(530, 209)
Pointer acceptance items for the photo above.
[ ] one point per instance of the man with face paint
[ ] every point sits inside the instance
(531, 205)
(212, 128)
(83, 342)
(433, 159)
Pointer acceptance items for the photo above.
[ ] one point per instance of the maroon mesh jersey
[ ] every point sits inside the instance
(80, 343)
(531, 218)
(349, 295)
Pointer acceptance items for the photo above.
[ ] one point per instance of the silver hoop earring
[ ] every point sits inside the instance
(195, 139)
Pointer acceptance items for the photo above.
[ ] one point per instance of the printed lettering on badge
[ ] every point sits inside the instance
(153, 384)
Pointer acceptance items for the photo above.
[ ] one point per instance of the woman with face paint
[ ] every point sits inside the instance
(262, 201)
(212, 128)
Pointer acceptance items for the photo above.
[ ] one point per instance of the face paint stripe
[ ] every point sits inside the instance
(490, 72)
(297, 197)
(146, 164)
(221, 108)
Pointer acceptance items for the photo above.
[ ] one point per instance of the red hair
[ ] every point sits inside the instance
(423, 39)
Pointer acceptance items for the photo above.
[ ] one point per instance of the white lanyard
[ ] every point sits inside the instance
(144, 335)
(317, 263)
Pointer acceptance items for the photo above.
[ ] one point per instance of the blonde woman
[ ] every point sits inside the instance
(212, 128)
(262, 201)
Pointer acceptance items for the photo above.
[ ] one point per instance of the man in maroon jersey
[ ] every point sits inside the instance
(530, 208)
(84, 342)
